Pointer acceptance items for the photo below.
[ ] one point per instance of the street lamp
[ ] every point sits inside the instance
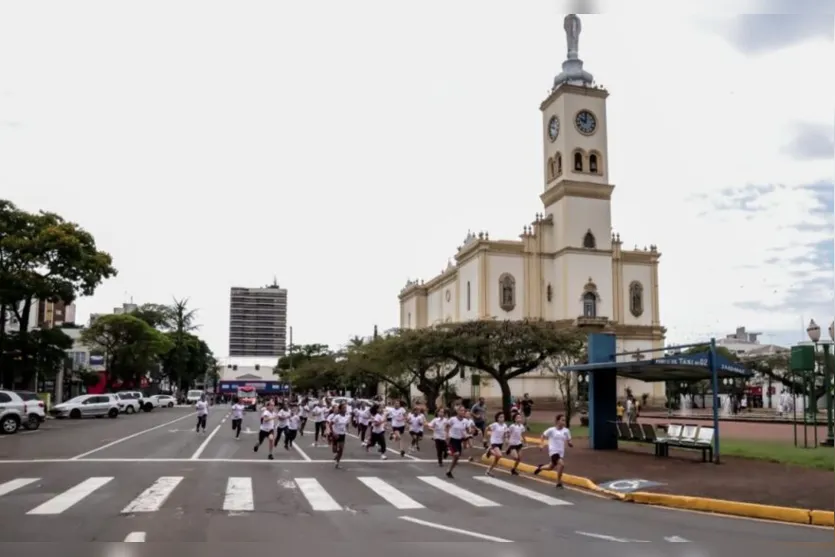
(814, 332)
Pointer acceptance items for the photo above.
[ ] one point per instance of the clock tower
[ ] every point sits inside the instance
(575, 153)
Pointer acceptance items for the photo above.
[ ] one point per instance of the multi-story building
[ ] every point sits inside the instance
(43, 315)
(258, 322)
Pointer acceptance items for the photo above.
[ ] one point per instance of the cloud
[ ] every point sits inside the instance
(811, 142)
(758, 34)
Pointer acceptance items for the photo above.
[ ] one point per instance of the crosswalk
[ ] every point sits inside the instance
(40, 497)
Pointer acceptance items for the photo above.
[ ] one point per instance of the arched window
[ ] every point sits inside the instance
(578, 161)
(559, 164)
(468, 296)
(588, 241)
(507, 292)
(636, 299)
(589, 304)
(551, 170)
(593, 163)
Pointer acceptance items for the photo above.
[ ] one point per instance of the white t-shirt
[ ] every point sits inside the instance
(470, 424)
(438, 426)
(318, 414)
(281, 418)
(237, 411)
(516, 433)
(304, 410)
(557, 438)
(202, 408)
(398, 417)
(379, 424)
(457, 427)
(364, 416)
(267, 420)
(497, 433)
(339, 424)
(329, 419)
(293, 422)
(416, 423)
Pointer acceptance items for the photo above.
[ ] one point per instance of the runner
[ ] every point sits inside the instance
(479, 411)
(363, 419)
(318, 413)
(281, 418)
(456, 431)
(237, 416)
(398, 426)
(558, 437)
(416, 422)
(304, 407)
(471, 430)
(438, 427)
(516, 441)
(293, 425)
(202, 413)
(267, 429)
(378, 431)
(339, 428)
(498, 433)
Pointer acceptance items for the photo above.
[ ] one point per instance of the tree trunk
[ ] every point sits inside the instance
(504, 385)
(430, 392)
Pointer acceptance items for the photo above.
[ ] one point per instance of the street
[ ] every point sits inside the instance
(151, 478)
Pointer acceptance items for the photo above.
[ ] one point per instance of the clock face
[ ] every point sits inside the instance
(553, 128)
(586, 122)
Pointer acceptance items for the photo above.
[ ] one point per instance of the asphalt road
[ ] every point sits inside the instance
(151, 478)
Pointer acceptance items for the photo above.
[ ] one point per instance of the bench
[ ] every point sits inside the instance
(641, 433)
(689, 437)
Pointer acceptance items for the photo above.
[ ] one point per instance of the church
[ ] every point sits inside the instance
(567, 265)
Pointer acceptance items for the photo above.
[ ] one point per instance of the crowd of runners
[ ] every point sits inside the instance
(455, 431)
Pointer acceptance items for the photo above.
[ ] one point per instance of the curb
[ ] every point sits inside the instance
(702, 504)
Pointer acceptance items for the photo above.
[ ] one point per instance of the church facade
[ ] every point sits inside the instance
(567, 264)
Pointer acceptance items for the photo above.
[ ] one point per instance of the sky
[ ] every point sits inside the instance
(340, 147)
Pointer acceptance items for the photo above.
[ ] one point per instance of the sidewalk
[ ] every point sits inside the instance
(752, 481)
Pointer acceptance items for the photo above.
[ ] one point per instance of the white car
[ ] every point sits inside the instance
(164, 401)
(134, 401)
(194, 395)
(34, 410)
(88, 406)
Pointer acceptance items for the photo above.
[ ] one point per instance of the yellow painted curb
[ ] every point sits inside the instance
(703, 504)
(823, 518)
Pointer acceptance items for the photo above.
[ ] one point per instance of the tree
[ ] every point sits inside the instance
(319, 372)
(566, 381)
(508, 349)
(131, 347)
(775, 367)
(43, 257)
(47, 349)
(158, 316)
(373, 362)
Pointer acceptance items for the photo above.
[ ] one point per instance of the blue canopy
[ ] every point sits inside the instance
(679, 367)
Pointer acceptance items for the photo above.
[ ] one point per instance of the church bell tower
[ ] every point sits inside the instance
(575, 152)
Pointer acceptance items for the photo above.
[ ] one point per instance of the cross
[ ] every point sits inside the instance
(637, 356)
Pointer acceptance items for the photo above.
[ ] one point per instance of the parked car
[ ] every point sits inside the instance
(12, 414)
(135, 401)
(193, 396)
(89, 406)
(34, 410)
(164, 401)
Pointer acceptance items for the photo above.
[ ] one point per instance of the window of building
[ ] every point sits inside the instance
(589, 305)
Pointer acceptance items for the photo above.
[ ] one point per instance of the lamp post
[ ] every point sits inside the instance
(814, 332)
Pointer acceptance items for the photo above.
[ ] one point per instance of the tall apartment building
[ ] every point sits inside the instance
(258, 321)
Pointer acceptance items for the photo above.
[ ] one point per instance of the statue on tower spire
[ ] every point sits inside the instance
(572, 68)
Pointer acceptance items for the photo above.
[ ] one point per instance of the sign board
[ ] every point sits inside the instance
(629, 485)
(802, 358)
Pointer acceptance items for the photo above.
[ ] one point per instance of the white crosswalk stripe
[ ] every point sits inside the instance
(64, 501)
(153, 498)
(390, 493)
(467, 496)
(523, 491)
(239, 493)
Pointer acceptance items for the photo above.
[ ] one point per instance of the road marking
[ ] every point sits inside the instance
(319, 499)
(301, 452)
(456, 530)
(13, 485)
(230, 460)
(205, 443)
(523, 491)
(390, 493)
(64, 501)
(131, 436)
(609, 538)
(239, 496)
(135, 537)
(461, 493)
(153, 498)
(676, 539)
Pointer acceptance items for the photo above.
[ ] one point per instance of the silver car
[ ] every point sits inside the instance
(88, 406)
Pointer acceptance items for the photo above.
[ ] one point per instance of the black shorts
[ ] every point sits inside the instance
(456, 446)
(555, 459)
(480, 426)
(263, 435)
(236, 422)
(497, 446)
(339, 438)
(399, 429)
(516, 448)
(418, 434)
